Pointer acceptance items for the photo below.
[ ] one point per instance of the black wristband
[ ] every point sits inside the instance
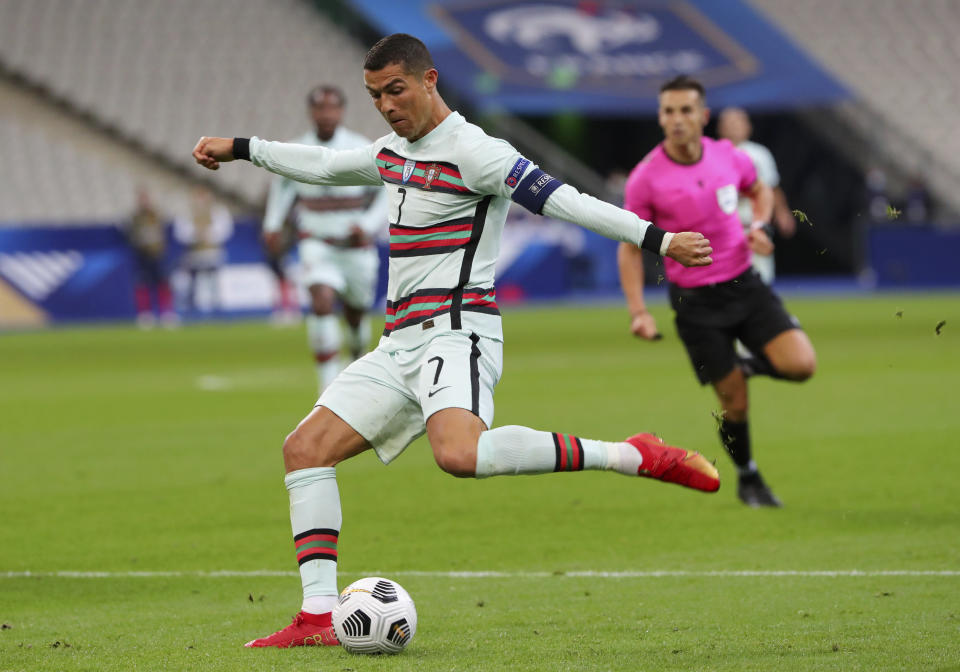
(653, 239)
(241, 148)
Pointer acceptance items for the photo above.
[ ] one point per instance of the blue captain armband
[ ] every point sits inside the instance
(534, 190)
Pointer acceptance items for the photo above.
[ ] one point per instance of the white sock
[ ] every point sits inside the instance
(324, 338)
(358, 339)
(520, 450)
(315, 519)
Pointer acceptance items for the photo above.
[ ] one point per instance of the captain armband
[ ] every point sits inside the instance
(534, 189)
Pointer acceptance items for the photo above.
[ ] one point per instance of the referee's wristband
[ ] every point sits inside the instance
(763, 226)
(241, 148)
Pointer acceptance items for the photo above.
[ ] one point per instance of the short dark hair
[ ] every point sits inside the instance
(400, 48)
(318, 93)
(684, 83)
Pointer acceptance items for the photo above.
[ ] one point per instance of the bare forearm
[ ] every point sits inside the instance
(762, 201)
(630, 265)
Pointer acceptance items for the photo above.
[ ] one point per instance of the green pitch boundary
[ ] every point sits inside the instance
(720, 573)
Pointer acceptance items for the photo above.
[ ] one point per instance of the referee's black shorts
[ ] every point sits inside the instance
(710, 318)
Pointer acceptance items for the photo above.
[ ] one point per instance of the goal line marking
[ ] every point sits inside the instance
(591, 574)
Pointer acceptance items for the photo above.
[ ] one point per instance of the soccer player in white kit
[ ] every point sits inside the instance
(440, 355)
(337, 227)
(733, 124)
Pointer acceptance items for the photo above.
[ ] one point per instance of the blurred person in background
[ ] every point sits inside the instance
(286, 309)
(917, 201)
(734, 125)
(337, 228)
(147, 236)
(692, 183)
(875, 194)
(203, 232)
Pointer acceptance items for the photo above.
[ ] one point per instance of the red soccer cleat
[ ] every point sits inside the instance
(306, 630)
(674, 465)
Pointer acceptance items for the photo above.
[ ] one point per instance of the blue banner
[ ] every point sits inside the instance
(52, 274)
(606, 56)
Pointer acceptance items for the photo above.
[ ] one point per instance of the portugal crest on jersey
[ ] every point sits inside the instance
(430, 174)
(727, 198)
(408, 167)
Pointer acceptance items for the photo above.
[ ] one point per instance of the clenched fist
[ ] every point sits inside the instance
(690, 248)
(211, 152)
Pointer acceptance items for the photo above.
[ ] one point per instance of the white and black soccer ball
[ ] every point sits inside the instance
(374, 615)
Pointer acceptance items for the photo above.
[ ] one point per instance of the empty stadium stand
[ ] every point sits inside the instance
(901, 59)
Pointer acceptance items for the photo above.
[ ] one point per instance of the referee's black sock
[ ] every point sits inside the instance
(735, 437)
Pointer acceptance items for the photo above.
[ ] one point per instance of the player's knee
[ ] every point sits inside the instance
(801, 368)
(321, 307)
(456, 462)
(303, 449)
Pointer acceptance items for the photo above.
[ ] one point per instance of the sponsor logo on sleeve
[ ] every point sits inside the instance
(540, 183)
(514, 177)
(408, 167)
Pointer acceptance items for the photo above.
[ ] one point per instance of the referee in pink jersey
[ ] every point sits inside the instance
(692, 183)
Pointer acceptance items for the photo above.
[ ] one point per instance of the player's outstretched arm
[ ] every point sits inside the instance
(690, 248)
(301, 163)
(565, 202)
(211, 152)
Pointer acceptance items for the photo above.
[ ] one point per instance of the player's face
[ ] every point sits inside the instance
(402, 98)
(326, 114)
(682, 116)
(734, 125)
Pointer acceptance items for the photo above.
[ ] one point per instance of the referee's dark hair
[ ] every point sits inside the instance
(318, 93)
(684, 83)
(400, 48)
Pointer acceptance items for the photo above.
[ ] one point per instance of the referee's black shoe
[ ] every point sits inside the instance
(753, 492)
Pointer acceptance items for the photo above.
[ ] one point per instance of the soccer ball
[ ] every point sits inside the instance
(374, 615)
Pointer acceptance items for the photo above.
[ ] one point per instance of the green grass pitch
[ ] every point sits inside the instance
(159, 452)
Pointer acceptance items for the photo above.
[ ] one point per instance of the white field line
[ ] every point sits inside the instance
(591, 574)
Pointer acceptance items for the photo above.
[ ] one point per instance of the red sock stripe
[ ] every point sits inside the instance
(316, 544)
(569, 452)
(315, 537)
(561, 453)
(318, 554)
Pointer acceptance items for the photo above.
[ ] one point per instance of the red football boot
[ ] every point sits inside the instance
(674, 465)
(306, 630)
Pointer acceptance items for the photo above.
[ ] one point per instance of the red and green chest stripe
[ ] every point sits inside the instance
(429, 303)
(438, 176)
(414, 241)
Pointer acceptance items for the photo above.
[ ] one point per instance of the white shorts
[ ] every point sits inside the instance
(351, 272)
(387, 397)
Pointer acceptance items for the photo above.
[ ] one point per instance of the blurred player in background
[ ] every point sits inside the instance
(286, 308)
(337, 227)
(203, 231)
(147, 235)
(692, 183)
(440, 357)
(734, 125)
